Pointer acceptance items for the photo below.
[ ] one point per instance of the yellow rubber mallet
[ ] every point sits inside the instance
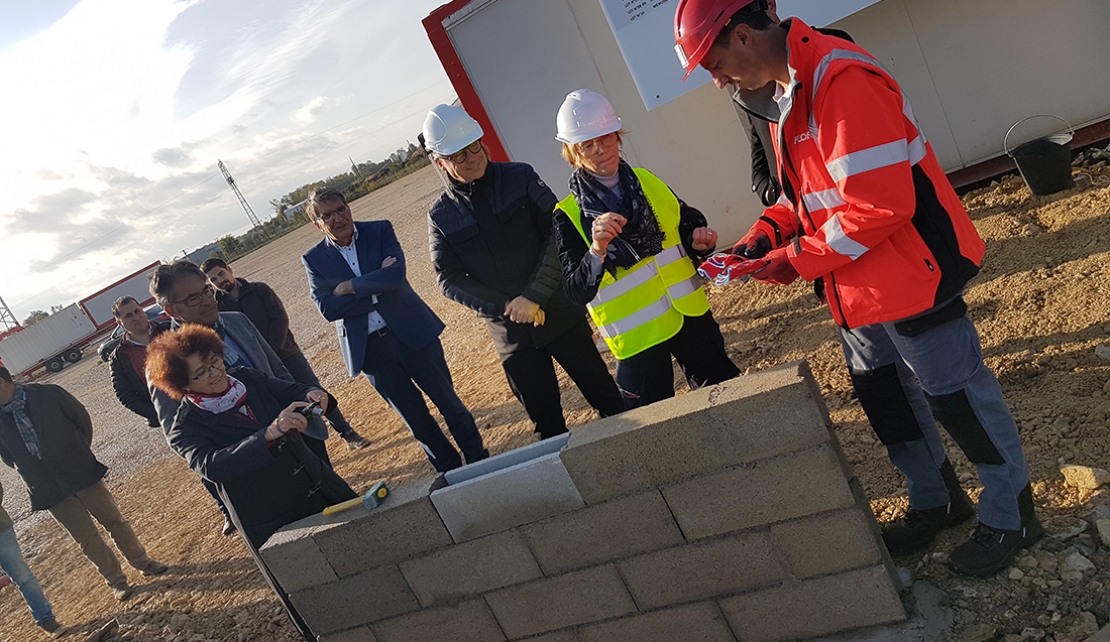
(372, 499)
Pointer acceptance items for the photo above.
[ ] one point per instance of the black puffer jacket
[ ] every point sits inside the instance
(491, 241)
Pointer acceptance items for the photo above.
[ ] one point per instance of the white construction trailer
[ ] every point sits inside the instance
(971, 69)
(51, 343)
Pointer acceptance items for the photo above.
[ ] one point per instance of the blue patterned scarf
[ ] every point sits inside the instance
(641, 236)
(17, 408)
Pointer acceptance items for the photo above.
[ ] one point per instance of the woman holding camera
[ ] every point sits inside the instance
(241, 429)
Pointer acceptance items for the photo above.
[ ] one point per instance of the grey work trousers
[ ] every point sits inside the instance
(943, 375)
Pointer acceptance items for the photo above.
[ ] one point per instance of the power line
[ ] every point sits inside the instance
(246, 163)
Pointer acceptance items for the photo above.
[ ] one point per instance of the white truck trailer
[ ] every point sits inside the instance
(62, 337)
(56, 340)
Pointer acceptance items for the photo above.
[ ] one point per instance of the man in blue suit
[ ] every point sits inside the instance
(357, 277)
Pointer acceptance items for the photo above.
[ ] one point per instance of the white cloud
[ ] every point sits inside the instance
(307, 113)
(120, 109)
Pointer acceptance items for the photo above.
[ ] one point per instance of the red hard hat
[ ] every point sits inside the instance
(697, 24)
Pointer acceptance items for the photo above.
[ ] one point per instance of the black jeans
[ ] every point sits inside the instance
(395, 371)
(699, 349)
(531, 374)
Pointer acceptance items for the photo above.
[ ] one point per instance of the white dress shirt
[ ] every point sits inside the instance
(350, 254)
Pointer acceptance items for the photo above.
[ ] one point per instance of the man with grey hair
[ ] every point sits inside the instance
(185, 294)
(356, 276)
(127, 362)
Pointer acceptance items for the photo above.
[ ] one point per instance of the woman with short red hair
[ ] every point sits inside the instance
(242, 431)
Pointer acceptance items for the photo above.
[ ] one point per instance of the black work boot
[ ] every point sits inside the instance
(992, 549)
(919, 528)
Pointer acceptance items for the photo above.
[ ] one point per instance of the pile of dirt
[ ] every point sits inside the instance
(1040, 304)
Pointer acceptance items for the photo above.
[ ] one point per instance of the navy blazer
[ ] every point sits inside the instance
(406, 314)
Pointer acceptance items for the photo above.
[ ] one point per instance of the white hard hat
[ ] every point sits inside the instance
(448, 129)
(585, 115)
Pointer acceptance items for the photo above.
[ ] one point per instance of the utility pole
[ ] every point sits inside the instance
(355, 167)
(7, 319)
(242, 201)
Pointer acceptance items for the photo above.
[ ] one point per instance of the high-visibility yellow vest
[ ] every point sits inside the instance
(644, 305)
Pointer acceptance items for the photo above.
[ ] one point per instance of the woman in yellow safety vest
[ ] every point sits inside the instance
(625, 244)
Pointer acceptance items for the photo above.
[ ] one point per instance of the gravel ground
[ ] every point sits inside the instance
(1040, 304)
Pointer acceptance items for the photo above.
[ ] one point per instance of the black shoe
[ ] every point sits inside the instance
(154, 567)
(992, 549)
(229, 526)
(354, 440)
(919, 528)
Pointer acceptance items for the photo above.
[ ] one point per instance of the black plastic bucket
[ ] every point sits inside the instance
(1044, 163)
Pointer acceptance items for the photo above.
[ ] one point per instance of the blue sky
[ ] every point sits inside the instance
(116, 111)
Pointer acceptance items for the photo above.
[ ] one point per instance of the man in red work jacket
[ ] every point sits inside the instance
(869, 216)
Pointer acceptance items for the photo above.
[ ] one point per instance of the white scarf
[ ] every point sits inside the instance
(234, 399)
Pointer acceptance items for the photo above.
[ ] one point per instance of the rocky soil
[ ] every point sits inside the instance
(1040, 304)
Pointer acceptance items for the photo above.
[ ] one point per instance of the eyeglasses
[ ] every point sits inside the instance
(216, 367)
(195, 299)
(594, 145)
(328, 217)
(460, 156)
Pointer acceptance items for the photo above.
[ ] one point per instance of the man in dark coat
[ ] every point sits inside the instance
(46, 435)
(493, 251)
(128, 360)
(184, 293)
(356, 275)
(266, 311)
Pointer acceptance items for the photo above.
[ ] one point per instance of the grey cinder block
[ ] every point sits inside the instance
(352, 601)
(558, 636)
(752, 417)
(815, 607)
(560, 602)
(691, 623)
(827, 543)
(470, 568)
(520, 494)
(466, 622)
(297, 562)
(361, 634)
(602, 533)
(406, 524)
(701, 570)
(765, 492)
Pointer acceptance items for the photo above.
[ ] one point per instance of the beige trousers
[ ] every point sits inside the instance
(75, 514)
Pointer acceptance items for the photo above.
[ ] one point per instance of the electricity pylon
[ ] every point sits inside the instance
(242, 201)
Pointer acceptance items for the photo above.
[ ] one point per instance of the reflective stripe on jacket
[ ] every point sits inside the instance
(644, 305)
(870, 209)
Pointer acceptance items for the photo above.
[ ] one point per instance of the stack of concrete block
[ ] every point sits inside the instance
(725, 514)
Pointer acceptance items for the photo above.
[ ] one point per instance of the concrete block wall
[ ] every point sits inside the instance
(725, 514)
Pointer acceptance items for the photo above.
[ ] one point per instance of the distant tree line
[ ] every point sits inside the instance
(361, 180)
(39, 315)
